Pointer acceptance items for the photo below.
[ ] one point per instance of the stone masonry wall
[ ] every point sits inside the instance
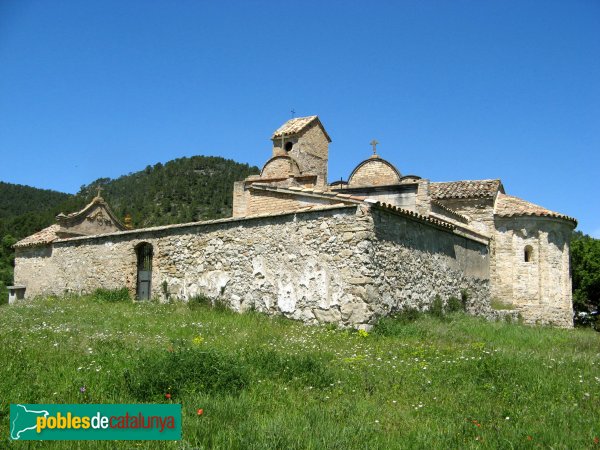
(540, 289)
(240, 198)
(479, 210)
(413, 262)
(280, 167)
(268, 202)
(344, 265)
(310, 151)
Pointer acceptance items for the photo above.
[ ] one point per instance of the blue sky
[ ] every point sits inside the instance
(451, 89)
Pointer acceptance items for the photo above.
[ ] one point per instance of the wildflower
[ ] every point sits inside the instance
(596, 440)
(529, 438)
(82, 389)
(198, 340)
(168, 396)
(507, 418)
(200, 411)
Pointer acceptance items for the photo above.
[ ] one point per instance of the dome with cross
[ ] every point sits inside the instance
(374, 171)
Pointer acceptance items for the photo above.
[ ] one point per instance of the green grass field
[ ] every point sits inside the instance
(450, 382)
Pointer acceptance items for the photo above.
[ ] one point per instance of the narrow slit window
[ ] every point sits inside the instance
(528, 253)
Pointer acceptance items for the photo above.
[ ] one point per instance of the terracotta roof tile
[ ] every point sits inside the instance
(450, 211)
(415, 215)
(45, 236)
(293, 190)
(509, 206)
(295, 126)
(465, 189)
(312, 208)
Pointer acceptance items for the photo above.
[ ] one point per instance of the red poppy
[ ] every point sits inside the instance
(200, 411)
(168, 396)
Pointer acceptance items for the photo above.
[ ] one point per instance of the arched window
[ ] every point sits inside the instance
(528, 253)
(144, 270)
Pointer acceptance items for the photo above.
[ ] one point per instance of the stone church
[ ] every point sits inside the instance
(347, 252)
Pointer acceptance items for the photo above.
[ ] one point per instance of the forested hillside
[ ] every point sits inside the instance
(181, 190)
(24, 210)
(16, 199)
(585, 268)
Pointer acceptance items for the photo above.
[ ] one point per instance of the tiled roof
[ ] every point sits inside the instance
(312, 192)
(466, 189)
(45, 236)
(310, 208)
(509, 206)
(450, 211)
(414, 215)
(302, 209)
(295, 126)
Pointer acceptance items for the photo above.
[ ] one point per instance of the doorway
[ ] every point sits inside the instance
(144, 271)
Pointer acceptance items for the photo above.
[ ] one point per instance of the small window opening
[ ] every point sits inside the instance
(288, 146)
(528, 253)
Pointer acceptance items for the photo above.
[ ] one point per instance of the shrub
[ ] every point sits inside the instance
(393, 325)
(157, 373)
(112, 295)
(408, 315)
(3, 294)
(199, 301)
(437, 307)
(165, 290)
(464, 298)
(221, 305)
(454, 305)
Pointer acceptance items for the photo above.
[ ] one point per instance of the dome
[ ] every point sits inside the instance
(374, 171)
(281, 166)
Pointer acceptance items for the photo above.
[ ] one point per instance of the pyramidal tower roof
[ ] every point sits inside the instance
(298, 125)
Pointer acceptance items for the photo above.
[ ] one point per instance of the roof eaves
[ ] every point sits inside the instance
(415, 215)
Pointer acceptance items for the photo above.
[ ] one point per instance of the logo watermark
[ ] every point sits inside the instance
(95, 422)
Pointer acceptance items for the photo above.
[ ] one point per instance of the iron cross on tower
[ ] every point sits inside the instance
(374, 144)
